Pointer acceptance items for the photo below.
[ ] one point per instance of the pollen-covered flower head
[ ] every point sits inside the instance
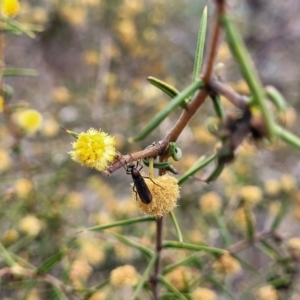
(94, 149)
(165, 192)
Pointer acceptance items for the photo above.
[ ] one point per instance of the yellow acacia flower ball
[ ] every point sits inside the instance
(23, 186)
(10, 8)
(124, 276)
(210, 203)
(267, 292)
(227, 265)
(165, 192)
(30, 120)
(201, 293)
(30, 225)
(94, 149)
(251, 194)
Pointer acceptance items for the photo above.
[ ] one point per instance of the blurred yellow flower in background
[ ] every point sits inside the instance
(1, 103)
(124, 276)
(272, 186)
(10, 236)
(30, 225)
(50, 127)
(179, 278)
(23, 186)
(294, 247)
(210, 203)
(30, 120)
(74, 200)
(5, 159)
(61, 94)
(227, 265)
(288, 183)
(94, 149)
(80, 270)
(267, 292)
(201, 293)
(251, 194)
(91, 57)
(10, 8)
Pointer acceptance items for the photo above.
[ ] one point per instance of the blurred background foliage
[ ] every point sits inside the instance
(93, 58)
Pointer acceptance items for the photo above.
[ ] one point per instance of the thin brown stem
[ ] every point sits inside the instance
(158, 249)
(257, 238)
(228, 92)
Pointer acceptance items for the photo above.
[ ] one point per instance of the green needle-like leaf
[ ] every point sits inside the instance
(119, 223)
(177, 228)
(211, 250)
(275, 96)
(200, 164)
(163, 86)
(249, 221)
(167, 110)
(200, 45)
(11, 72)
(287, 136)
(127, 241)
(185, 261)
(18, 26)
(145, 276)
(172, 289)
(218, 107)
(249, 71)
(223, 229)
(51, 262)
(284, 206)
(6, 256)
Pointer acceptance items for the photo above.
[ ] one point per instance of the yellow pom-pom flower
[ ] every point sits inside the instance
(165, 192)
(10, 8)
(94, 149)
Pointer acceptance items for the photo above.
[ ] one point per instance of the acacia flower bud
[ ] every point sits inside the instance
(165, 192)
(94, 149)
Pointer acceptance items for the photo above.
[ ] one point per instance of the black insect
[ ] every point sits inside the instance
(140, 187)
